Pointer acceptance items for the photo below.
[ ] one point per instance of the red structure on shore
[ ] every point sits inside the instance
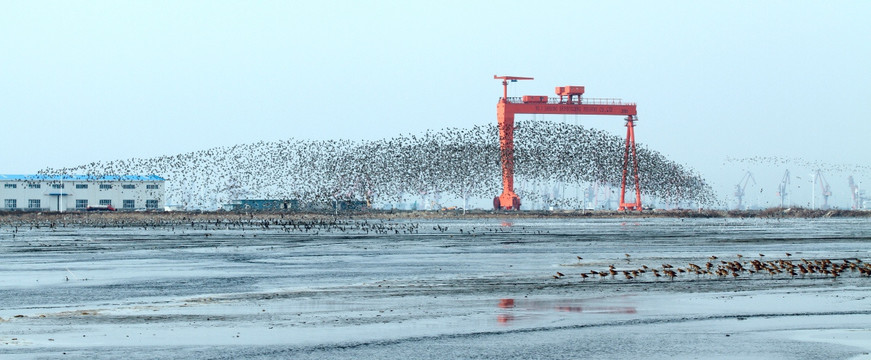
(570, 102)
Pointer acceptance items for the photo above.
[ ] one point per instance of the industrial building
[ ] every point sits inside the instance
(81, 192)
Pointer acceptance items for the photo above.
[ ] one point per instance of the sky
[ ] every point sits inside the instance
(713, 80)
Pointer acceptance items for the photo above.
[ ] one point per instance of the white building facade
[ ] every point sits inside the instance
(78, 192)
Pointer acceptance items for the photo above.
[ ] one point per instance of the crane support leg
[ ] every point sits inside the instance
(630, 148)
(508, 200)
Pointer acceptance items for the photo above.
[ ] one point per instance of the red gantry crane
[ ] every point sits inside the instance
(570, 102)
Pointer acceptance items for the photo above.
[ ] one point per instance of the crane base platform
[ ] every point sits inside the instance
(629, 206)
(506, 201)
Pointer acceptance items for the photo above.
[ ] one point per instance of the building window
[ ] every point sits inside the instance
(81, 203)
(105, 202)
(152, 187)
(151, 204)
(34, 186)
(10, 186)
(128, 186)
(34, 203)
(57, 186)
(129, 204)
(10, 203)
(81, 186)
(105, 186)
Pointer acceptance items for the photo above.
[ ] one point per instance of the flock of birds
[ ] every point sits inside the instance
(797, 162)
(735, 269)
(457, 162)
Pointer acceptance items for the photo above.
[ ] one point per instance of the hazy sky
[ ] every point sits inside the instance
(88, 81)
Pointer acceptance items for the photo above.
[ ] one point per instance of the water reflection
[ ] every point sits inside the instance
(588, 306)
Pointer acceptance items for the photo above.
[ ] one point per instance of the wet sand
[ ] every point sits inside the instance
(268, 286)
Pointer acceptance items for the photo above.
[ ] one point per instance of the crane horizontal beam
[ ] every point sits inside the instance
(570, 109)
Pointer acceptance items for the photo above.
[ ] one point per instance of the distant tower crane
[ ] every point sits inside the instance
(591, 196)
(739, 188)
(824, 188)
(782, 189)
(570, 102)
(856, 193)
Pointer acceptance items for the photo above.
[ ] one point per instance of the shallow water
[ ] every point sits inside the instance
(430, 289)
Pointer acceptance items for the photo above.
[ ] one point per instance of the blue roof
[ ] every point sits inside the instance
(40, 177)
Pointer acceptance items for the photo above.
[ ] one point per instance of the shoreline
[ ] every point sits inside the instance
(175, 217)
